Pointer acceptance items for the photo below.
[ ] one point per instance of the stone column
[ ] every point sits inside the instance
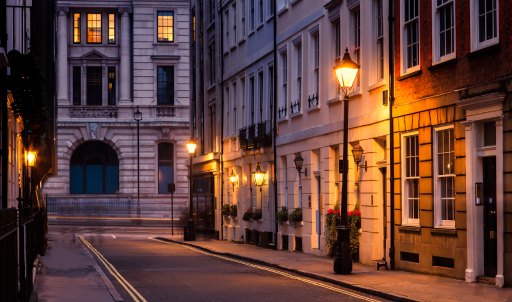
(124, 68)
(62, 57)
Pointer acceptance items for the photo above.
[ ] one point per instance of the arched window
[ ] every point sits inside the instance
(94, 169)
(165, 167)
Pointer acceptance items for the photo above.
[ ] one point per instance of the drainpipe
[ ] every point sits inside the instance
(221, 157)
(3, 104)
(391, 28)
(274, 125)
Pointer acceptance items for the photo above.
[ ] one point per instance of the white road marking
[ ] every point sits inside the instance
(275, 271)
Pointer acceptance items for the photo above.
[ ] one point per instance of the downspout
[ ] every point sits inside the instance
(221, 161)
(391, 28)
(3, 102)
(274, 126)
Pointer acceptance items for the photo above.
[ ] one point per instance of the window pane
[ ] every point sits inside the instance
(93, 179)
(111, 179)
(76, 28)
(111, 28)
(111, 85)
(77, 179)
(94, 91)
(93, 28)
(165, 26)
(165, 85)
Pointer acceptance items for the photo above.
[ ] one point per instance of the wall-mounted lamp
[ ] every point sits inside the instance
(233, 179)
(31, 158)
(258, 176)
(299, 162)
(357, 152)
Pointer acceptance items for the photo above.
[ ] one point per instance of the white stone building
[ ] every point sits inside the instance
(311, 37)
(114, 58)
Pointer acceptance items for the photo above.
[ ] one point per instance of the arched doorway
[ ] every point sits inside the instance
(94, 169)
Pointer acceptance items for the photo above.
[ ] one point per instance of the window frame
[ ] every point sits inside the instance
(77, 28)
(157, 26)
(87, 36)
(298, 51)
(405, 69)
(157, 81)
(474, 25)
(379, 42)
(89, 82)
(436, 32)
(283, 79)
(114, 28)
(439, 222)
(336, 52)
(406, 217)
(171, 165)
(355, 20)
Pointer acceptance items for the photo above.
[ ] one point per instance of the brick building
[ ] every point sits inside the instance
(452, 130)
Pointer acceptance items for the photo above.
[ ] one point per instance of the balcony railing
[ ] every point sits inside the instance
(313, 101)
(295, 107)
(281, 112)
(255, 136)
(93, 111)
(165, 111)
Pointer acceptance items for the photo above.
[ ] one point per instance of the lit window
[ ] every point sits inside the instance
(111, 85)
(111, 28)
(444, 177)
(444, 38)
(94, 28)
(411, 196)
(165, 85)
(165, 167)
(410, 34)
(77, 28)
(165, 25)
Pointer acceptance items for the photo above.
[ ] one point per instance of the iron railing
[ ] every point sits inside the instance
(255, 136)
(90, 207)
(8, 255)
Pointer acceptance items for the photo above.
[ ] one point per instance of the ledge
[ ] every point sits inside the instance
(442, 231)
(409, 75)
(409, 229)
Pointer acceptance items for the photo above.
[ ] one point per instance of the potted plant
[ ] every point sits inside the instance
(256, 215)
(354, 223)
(226, 210)
(247, 214)
(233, 211)
(331, 220)
(295, 217)
(282, 215)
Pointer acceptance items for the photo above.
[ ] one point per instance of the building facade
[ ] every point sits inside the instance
(123, 108)
(452, 130)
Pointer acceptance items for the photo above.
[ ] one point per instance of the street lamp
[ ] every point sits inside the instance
(346, 72)
(30, 156)
(258, 176)
(137, 116)
(299, 161)
(233, 179)
(190, 234)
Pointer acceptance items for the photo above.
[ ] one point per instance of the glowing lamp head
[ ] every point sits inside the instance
(31, 158)
(346, 71)
(258, 176)
(191, 147)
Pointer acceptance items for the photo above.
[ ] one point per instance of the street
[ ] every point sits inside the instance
(145, 269)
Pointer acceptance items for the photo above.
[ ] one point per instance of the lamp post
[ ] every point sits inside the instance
(346, 72)
(190, 234)
(31, 162)
(137, 116)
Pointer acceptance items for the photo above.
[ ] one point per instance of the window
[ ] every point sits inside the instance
(270, 83)
(94, 28)
(111, 28)
(165, 26)
(260, 12)
(379, 40)
(260, 93)
(77, 31)
(212, 129)
(298, 69)
(165, 167)
(211, 62)
(410, 36)
(111, 85)
(234, 102)
(271, 7)
(77, 85)
(281, 5)
(336, 51)
(316, 63)
(243, 88)
(226, 31)
(165, 85)
(252, 16)
(94, 85)
(484, 23)
(411, 179)
(252, 92)
(243, 19)
(356, 39)
(284, 79)
(444, 177)
(211, 6)
(227, 101)
(94, 169)
(235, 39)
(444, 30)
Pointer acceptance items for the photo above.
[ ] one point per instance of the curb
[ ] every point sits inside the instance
(371, 291)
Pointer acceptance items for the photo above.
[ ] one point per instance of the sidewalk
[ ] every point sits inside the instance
(69, 273)
(398, 284)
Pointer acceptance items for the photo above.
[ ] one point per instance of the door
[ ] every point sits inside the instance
(490, 235)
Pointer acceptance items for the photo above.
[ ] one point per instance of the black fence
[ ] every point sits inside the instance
(255, 136)
(22, 238)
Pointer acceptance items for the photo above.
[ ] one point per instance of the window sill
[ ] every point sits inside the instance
(241, 41)
(377, 85)
(295, 115)
(251, 33)
(260, 26)
(270, 18)
(441, 64)
(172, 44)
(313, 108)
(409, 75)
(282, 120)
(409, 229)
(293, 2)
(451, 231)
(333, 101)
(282, 11)
(484, 50)
(233, 47)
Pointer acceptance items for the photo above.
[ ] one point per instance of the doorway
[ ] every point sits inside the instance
(490, 230)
